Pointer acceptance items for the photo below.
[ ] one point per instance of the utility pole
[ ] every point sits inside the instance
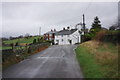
(83, 28)
(84, 23)
(39, 31)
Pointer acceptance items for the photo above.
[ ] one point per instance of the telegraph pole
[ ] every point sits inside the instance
(84, 27)
(84, 23)
(39, 31)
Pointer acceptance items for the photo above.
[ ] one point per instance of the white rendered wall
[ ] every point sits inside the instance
(75, 37)
(60, 38)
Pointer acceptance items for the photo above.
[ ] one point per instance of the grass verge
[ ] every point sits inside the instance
(98, 60)
(88, 64)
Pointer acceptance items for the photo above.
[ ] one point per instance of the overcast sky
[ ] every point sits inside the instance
(19, 18)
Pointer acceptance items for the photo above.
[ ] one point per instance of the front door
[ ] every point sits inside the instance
(70, 41)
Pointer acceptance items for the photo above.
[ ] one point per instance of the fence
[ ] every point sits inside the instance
(29, 49)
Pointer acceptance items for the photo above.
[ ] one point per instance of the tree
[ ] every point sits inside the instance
(10, 37)
(21, 36)
(17, 44)
(3, 38)
(112, 28)
(38, 40)
(96, 26)
(115, 26)
(34, 41)
(12, 45)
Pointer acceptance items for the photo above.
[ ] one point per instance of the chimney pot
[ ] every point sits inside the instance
(68, 27)
(51, 30)
(63, 28)
(54, 29)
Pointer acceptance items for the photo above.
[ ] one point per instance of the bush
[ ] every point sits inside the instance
(17, 44)
(49, 41)
(89, 35)
(34, 41)
(29, 50)
(38, 40)
(12, 45)
(100, 35)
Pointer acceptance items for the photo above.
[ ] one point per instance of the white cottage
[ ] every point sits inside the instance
(67, 36)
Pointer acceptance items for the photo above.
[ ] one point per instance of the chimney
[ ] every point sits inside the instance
(63, 28)
(54, 29)
(51, 30)
(68, 28)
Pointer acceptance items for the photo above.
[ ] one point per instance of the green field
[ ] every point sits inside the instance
(20, 41)
(5, 47)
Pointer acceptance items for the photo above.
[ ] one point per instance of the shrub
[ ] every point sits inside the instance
(38, 40)
(48, 41)
(100, 35)
(29, 50)
(12, 45)
(17, 44)
(34, 41)
(89, 35)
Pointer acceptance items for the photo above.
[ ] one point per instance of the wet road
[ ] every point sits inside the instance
(57, 61)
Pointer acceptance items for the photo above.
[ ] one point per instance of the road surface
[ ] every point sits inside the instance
(57, 61)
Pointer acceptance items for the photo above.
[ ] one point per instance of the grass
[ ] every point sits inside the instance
(98, 59)
(21, 40)
(6, 47)
(88, 64)
(0, 47)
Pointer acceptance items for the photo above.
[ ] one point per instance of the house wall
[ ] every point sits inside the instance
(49, 36)
(62, 39)
(75, 38)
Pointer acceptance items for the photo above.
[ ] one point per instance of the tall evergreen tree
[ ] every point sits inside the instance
(96, 24)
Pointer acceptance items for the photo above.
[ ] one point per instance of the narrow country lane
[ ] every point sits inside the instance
(57, 61)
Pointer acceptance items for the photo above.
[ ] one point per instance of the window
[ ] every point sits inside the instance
(62, 40)
(68, 39)
(50, 34)
(57, 42)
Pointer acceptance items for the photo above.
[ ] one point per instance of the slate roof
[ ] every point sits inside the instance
(66, 32)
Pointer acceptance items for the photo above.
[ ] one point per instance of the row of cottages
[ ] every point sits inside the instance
(66, 36)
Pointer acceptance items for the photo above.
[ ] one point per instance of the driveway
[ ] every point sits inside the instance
(57, 61)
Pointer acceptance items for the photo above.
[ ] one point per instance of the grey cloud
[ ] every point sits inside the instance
(27, 17)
